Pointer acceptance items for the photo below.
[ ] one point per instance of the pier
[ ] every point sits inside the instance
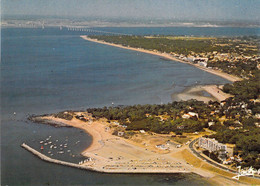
(51, 160)
(93, 31)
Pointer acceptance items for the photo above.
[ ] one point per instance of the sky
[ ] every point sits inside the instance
(245, 10)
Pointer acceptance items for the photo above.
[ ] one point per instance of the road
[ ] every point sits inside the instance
(207, 160)
(212, 162)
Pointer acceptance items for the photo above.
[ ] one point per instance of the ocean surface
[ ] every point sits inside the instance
(51, 70)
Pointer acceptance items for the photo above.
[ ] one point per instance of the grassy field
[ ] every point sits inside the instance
(197, 163)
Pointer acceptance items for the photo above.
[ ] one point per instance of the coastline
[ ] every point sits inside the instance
(196, 92)
(113, 154)
(167, 56)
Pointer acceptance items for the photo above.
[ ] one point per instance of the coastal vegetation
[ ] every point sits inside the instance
(234, 120)
(186, 45)
(238, 56)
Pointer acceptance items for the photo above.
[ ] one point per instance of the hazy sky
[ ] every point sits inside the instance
(169, 9)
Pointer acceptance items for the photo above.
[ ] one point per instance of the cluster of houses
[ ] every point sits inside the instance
(84, 117)
(232, 159)
(215, 56)
(212, 145)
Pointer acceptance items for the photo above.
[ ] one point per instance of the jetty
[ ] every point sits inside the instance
(51, 160)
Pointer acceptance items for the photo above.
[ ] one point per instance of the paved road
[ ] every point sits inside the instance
(210, 161)
(207, 160)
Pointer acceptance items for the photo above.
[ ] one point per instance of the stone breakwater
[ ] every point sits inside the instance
(41, 120)
(46, 158)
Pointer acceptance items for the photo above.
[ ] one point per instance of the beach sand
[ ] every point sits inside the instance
(196, 92)
(168, 56)
(113, 154)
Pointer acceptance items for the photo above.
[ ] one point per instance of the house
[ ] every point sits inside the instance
(257, 115)
(211, 123)
(180, 127)
(107, 129)
(203, 64)
(185, 116)
(142, 131)
(193, 114)
(120, 133)
(163, 147)
(116, 123)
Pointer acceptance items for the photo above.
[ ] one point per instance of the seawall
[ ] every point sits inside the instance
(46, 158)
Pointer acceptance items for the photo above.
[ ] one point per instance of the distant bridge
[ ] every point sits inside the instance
(86, 29)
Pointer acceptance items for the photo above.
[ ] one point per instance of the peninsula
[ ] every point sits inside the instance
(169, 138)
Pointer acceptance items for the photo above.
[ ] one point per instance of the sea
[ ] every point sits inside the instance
(51, 70)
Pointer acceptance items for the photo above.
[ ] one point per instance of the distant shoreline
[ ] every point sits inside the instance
(167, 56)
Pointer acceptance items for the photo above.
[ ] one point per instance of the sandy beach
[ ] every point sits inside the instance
(167, 56)
(110, 153)
(113, 154)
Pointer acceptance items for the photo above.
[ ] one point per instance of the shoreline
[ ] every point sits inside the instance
(113, 154)
(119, 155)
(228, 77)
(196, 92)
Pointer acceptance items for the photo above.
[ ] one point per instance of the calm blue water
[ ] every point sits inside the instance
(46, 71)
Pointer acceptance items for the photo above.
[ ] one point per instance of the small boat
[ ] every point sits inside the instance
(45, 143)
(41, 142)
(41, 147)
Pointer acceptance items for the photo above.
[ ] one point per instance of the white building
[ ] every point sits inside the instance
(213, 145)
